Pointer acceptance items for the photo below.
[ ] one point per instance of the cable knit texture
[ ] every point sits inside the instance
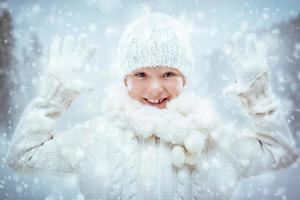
(155, 39)
(126, 154)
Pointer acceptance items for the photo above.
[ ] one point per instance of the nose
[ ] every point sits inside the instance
(156, 89)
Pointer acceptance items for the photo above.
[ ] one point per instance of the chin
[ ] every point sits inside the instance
(161, 106)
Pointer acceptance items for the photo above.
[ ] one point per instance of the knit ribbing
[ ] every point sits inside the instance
(117, 166)
(183, 183)
(165, 171)
(56, 93)
(157, 168)
(149, 159)
(131, 166)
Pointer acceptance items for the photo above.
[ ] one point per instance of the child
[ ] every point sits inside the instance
(157, 139)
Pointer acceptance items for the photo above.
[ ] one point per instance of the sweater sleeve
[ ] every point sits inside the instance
(34, 147)
(267, 145)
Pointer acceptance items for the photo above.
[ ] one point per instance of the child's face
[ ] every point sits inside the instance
(154, 86)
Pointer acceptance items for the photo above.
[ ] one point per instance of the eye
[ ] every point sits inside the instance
(140, 74)
(169, 74)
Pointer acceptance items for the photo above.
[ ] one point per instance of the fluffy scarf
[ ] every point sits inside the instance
(183, 122)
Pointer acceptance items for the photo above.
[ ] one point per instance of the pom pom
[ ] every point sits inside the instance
(194, 142)
(178, 156)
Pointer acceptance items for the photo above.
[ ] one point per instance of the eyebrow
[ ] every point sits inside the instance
(165, 70)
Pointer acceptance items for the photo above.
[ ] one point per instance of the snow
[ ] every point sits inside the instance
(210, 24)
(296, 51)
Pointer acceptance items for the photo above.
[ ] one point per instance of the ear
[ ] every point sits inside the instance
(184, 80)
(125, 80)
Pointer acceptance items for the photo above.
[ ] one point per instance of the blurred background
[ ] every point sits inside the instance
(27, 27)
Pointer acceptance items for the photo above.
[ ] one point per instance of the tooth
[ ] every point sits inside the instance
(152, 100)
(155, 100)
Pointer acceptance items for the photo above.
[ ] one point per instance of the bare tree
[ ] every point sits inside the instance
(6, 60)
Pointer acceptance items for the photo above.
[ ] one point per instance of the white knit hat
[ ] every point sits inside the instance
(155, 39)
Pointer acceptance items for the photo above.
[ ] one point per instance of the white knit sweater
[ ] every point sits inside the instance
(126, 154)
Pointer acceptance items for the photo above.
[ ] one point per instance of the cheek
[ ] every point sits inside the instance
(136, 88)
(179, 83)
(129, 85)
(173, 87)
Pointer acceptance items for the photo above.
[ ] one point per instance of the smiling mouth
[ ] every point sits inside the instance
(156, 102)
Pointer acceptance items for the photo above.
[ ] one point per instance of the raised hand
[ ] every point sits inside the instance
(248, 57)
(66, 63)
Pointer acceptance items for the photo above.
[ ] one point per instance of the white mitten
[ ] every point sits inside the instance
(63, 83)
(257, 99)
(66, 65)
(248, 58)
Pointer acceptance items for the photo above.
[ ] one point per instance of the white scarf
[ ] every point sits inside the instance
(182, 116)
(184, 122)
